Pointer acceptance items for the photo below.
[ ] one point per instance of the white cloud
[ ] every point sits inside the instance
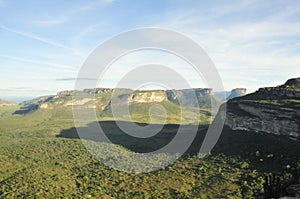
(54, 66)
(255, 53)
(52, 22)
(68, 14)
(84, 32)
(36, 37)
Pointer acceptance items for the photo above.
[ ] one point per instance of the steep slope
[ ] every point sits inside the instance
(140, 104)
(237, 92)
(193, 97)
(222, 95)
(273, 110)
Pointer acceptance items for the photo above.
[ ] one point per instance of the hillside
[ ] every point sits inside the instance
(274, 110)
(43, 157)
(174, 102)
(237, 92)
(4, 103)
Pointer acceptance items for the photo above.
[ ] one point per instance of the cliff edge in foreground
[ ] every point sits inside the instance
(273, 110)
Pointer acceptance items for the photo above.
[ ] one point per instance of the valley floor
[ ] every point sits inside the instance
(41, 157)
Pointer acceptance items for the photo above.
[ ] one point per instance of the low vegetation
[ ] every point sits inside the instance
(41, 157)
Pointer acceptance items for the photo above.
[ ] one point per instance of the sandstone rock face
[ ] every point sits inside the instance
(269, 110)
(148, 97)
(279, 92)
(102, 98)
(237, 92)
(44, 106)
(77, 102)
(185, 97)
(263, 118)
(197, 97)
(188, 93)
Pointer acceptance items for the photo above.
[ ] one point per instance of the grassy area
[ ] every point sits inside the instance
(166, 112)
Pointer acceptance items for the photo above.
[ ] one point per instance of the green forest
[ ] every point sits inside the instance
(42, 157)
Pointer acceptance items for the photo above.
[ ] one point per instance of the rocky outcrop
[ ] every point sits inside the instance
(102, 97)
(289, 90)
(222, 95)
(273, 110)
(237, 92)
(185, 97)
(148, 97)
(198, 97)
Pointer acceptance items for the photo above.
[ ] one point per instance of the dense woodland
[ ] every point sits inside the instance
(41, 157)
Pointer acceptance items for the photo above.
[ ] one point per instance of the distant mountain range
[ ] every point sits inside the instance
(262, 130)
(17, 99)
(273, 110)
(203, 97)
(238, 92)
(138, 101)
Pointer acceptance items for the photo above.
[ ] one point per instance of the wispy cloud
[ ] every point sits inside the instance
(54, 66)
(252, 43)
(84, 32)
(75, 79)
(195, 17)
(37, 37)
(95, 4)
(259, 49)
(2, 4)
(53, 22)
(68, 15)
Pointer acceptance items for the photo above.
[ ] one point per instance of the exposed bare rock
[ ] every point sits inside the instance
(197, 97)
(44, 106)
(101, 98)
(237, 92)
(148, 97)
(78, 102)
(271, 110)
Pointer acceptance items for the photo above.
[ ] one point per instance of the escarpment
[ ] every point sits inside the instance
(273, 110)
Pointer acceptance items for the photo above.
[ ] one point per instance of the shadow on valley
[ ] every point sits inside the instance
(141, 145)
(264, 152)
(25, 110)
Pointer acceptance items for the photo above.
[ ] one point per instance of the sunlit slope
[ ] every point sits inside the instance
(142, 106)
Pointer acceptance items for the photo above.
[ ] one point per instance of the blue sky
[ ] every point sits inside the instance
(44, 43)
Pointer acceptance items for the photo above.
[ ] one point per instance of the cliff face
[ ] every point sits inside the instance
(198, 97)
(273, 110)
(185, 96)
(100, 98)
(238, 92)
(148, 97)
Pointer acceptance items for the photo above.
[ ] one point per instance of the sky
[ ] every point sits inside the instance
(43, 44)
